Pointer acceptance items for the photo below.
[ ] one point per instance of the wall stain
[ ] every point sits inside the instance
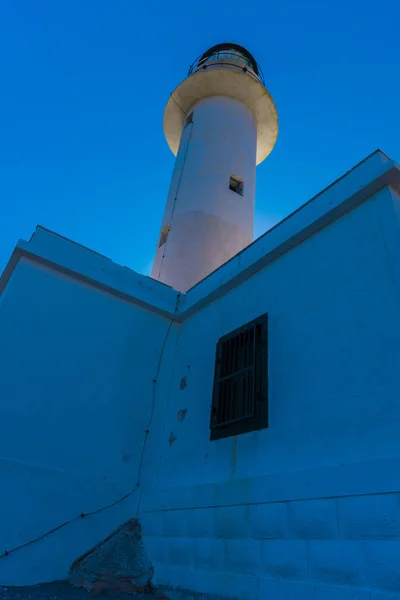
(172, 439)
(183, 383)
(182, 414)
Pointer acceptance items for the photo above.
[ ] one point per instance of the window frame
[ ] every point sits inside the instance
(260, 418)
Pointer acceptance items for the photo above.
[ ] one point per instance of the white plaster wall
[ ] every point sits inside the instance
(209, 223)
(77, 366)
(308, 507)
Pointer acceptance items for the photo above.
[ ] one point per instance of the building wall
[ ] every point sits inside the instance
(77, 367)
(308, 507)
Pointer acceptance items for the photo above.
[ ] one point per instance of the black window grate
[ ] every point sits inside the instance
(240, 382)
(236, 381)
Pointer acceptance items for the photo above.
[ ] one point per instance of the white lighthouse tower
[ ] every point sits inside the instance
(220, 122)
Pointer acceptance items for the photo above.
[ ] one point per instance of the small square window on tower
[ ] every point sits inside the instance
(163, 236)
(188, 120)
(236, 185)
(240, 397)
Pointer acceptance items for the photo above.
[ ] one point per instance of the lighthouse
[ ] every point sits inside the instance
(220, 123)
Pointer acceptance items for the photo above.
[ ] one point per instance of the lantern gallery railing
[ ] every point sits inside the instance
(231, 56)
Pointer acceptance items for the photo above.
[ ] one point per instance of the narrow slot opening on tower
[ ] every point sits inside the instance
(163, 236)
(236, 185)
(188, 120)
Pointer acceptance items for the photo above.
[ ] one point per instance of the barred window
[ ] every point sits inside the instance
(240, 396)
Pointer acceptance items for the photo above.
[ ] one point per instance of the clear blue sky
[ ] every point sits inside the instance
(84, 84)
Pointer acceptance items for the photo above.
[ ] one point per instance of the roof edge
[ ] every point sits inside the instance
(352, 189)
(50, 249)
(60, 254)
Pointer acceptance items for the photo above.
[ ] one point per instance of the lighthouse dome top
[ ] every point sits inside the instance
(228, 55)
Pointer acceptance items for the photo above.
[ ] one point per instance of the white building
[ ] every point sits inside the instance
(269, 476)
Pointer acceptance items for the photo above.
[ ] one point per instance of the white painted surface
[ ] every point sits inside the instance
(308, 507)
(345, 194)
(77, 366)
(325, 330)
(221, 81)
(65, 256)
(209, 223)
